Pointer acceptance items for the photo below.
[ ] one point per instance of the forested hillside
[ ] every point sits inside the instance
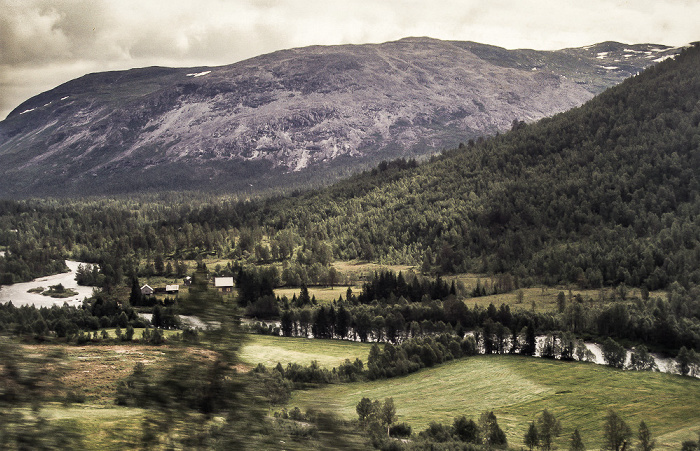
(603, 194)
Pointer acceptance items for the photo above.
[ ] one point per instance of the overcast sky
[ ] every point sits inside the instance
(44, 43)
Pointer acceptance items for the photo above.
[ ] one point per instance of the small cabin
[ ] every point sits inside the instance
(146, 290)
(224, 284)
(172, 289)
(187, 281)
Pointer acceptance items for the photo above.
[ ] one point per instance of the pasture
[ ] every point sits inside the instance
(517, 389)
(269, 350)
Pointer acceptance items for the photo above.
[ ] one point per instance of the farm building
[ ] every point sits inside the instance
(172, 289)
(224, 284)
(146, 290)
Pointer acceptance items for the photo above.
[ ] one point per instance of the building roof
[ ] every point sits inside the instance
(172, 288)
(223, 282)
(146, 288)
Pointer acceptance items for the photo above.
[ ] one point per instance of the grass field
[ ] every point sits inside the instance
(269, 350)
(324, 295)
(358, 272)
(545, 298)
(518, 388)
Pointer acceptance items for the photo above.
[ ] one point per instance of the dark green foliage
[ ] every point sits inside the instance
(548, 428)
(400, 430)
(688, 362)
(102, 311)
(642, 360)
(436, 432)
(615, 431)
(576, 443)
(387, 285)
(265, 307)
(531, 438)
(414, 354)
(89, 275)
(465, 430)
(646, 443)
(306, 375)
(27, 260)
(165, 318)
(614, 354)
(491, 432)
(253, 284)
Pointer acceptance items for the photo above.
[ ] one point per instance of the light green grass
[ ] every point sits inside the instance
(269, 350)
(545, 298)
(138, 332)
(103, 428)
(359, 271)
(323, 295)
(518, 388)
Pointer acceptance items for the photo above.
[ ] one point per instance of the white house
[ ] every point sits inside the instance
(224, 284)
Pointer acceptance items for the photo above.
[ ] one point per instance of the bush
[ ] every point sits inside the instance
(400, 430)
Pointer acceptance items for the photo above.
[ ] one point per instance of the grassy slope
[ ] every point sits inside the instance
(518, 388)
(328, 353)
(94, 370)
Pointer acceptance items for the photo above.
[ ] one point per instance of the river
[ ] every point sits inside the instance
(17, 293)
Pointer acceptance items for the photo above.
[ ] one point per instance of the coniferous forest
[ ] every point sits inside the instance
(604, 198)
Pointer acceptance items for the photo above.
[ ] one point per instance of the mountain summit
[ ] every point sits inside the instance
(292, 117)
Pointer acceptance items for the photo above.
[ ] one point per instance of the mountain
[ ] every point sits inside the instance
(604, 194)
(291, 118)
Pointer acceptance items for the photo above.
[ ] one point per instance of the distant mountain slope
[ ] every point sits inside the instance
(290, 118)
(604, 194)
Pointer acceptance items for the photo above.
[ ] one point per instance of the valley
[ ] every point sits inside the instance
(429, 287)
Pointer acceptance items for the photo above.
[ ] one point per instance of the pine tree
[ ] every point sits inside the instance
(532, 439)
(646, 443)
(135, 298)
(576, 442)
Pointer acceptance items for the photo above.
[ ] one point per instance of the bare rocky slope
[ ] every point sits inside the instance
(291, 118)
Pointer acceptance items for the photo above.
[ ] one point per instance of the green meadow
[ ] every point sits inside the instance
(270, 350)
(517, 389)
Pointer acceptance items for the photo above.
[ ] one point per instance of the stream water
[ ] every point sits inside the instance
(18, 292)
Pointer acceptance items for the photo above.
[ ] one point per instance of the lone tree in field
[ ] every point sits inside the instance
(576, 442)
(531, 439)
(387, 414)
(615, 431)
(366, 410)
(492, 434)
(548, 429)
(646, 443)
(374, 414)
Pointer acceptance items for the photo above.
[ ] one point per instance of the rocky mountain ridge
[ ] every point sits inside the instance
(292, 117)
